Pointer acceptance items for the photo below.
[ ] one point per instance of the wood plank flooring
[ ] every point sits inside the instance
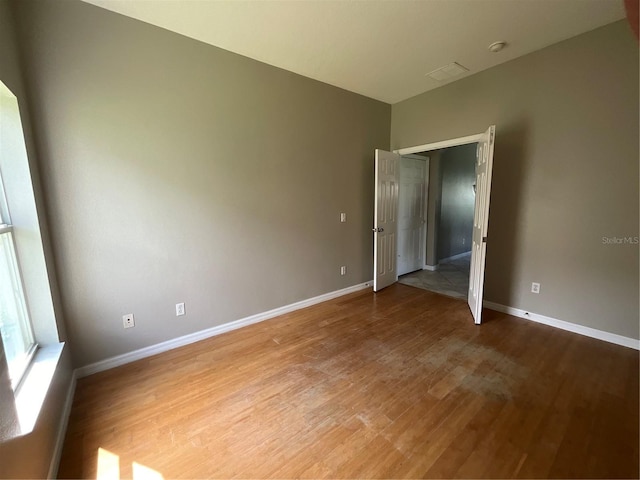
(398, 384)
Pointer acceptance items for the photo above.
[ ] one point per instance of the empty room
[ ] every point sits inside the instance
(221, 223)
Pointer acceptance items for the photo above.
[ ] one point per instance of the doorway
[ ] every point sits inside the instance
(448, 219)
(385, 246)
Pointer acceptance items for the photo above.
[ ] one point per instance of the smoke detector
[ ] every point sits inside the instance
(495, 47)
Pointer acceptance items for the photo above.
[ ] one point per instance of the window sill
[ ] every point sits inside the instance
(35, 385)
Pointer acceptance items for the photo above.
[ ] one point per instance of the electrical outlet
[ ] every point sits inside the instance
(127, 321)
(179, 309)
(535, 287)
(343, 217)
(343, 270)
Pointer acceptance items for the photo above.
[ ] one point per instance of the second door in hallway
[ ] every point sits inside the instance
(411, 214)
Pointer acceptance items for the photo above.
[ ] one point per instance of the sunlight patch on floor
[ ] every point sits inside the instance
(109, 468)
(108, 465)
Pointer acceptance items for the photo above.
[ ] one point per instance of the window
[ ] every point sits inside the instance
(15, 325)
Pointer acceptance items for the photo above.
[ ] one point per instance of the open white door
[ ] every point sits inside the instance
(385, 226)
(484, 167)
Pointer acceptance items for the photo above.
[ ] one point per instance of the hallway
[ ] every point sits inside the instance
(451, 278)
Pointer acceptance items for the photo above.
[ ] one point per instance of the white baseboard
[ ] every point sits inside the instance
(454, 257)
(210, 332)
(571, 327)
(433, 268)
(62, 429)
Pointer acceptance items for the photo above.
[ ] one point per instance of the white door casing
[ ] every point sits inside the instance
(484, 167)
(385, 219)
(411, 215)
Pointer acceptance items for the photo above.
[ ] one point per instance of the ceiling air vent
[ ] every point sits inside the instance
(448, 71)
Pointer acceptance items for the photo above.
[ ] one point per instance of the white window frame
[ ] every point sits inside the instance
(17, 369)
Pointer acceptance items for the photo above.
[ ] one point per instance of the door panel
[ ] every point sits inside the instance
(484, 169)
(385, 219)
(411, 217)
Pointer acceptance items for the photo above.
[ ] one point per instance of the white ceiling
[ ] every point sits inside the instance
(381, 49)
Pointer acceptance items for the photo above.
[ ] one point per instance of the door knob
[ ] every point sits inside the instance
(378, 229)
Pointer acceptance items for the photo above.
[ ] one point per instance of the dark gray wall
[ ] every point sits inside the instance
(565, 173)
(179, 172)
(457, 176)
(28, 456)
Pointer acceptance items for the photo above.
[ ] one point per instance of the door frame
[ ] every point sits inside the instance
(427, 147)
(453, 142)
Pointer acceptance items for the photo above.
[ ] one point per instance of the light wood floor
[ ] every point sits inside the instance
(395, 384)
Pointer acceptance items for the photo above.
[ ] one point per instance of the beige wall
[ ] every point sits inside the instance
(179, 172)
(29, 456)
(565, 173)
